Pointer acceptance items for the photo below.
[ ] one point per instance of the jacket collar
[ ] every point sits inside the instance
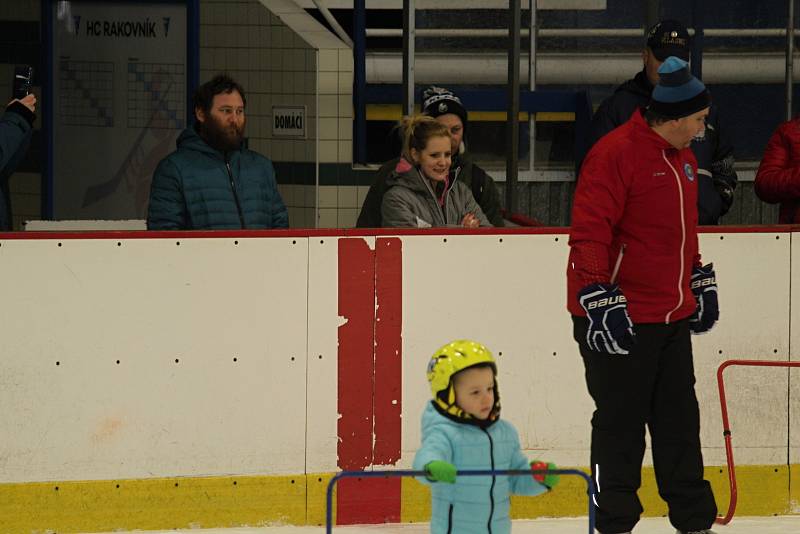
(191, 140)
(639, 85)
(643, 129)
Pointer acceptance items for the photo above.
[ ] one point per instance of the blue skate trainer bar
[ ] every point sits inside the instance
(489, 472)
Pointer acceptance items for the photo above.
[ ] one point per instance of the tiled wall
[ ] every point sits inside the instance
(283, 57)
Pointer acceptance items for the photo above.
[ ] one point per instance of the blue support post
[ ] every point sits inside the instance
(359, 81)
(697, 40)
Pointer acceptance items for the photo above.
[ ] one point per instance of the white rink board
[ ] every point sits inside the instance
(323, 321)
(146, 303)
(265, 301)
(753, 273)
(508, 292)
(794, 374)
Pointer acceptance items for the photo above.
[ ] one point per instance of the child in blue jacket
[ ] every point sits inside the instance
(462, 430)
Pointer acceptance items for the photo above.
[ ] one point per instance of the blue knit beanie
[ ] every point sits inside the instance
(678, 93)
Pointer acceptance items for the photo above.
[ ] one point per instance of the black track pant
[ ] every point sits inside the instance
(653, 386)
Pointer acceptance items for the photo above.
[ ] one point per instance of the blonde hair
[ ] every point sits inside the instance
(417, 130)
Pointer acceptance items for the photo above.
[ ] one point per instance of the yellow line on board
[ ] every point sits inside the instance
(763, 490)
(223, 502)
(154, 504)
(392, 112)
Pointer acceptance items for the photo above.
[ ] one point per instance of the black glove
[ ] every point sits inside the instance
(610, 326)
(704, 288)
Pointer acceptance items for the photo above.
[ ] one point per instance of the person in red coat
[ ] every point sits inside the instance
(778, 177)
(636, 292)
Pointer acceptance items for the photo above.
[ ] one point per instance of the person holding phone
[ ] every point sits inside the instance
(16, 128)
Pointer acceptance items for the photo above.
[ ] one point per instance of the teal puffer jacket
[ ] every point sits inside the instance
(195, 188)
(474, 504)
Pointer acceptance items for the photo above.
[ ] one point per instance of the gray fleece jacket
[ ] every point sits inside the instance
(410, 201)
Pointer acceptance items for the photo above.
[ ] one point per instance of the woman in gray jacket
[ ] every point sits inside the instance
(419, 194)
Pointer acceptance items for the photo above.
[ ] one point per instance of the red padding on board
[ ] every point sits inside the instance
(368, 501)
(388, 350)
(369, 378)
(355, 354)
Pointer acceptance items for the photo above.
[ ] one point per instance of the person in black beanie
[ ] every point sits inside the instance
(717, 178)
(637, 291)
(16, 128)
(447, 108)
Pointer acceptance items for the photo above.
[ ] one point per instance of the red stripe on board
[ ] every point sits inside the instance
(388, 351)
(355, 354)
(368, 501)
(370, 378)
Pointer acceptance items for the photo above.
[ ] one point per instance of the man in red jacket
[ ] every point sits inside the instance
(637, 290)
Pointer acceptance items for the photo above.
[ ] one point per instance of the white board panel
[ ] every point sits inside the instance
(508, 292)
(323, 325)
(753, 280)
(794, 374)
(175, 317)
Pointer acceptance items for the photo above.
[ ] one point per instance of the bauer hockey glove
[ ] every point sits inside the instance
(548, 479)
(704, 288)
(440, 471)
(610, 326)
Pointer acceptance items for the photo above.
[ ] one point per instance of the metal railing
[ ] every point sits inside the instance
(591, 492)
(572, 32)
(726, 427)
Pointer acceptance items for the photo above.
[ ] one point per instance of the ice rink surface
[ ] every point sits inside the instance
(652, 525)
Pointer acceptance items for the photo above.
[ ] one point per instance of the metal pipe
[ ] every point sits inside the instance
(512, 120)
(726, 427)
(409, 33)
(578, 68)
(789, 78)
(532, 84)
(337, 28)
(591, 491)
(573, 32)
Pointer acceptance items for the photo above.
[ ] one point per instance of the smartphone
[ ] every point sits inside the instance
(23, 76)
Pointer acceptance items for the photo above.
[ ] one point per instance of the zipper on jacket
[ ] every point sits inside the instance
(450, 520)
(491, 488)
(615, 272)
(235, 194)
(683, 237)
(442, 209)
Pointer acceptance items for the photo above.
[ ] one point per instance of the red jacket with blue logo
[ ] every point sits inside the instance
(634, 222)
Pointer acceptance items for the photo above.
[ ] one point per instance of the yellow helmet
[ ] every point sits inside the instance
(449, 360)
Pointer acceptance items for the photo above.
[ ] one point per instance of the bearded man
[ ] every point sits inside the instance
(212, 182)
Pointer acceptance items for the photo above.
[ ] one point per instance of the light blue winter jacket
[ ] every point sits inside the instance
(473, 505)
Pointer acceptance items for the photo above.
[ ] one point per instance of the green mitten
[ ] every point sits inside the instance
(548, 479)
(440, 471)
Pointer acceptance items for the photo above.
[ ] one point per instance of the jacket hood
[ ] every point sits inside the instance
(408, 176)
(638, 85)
